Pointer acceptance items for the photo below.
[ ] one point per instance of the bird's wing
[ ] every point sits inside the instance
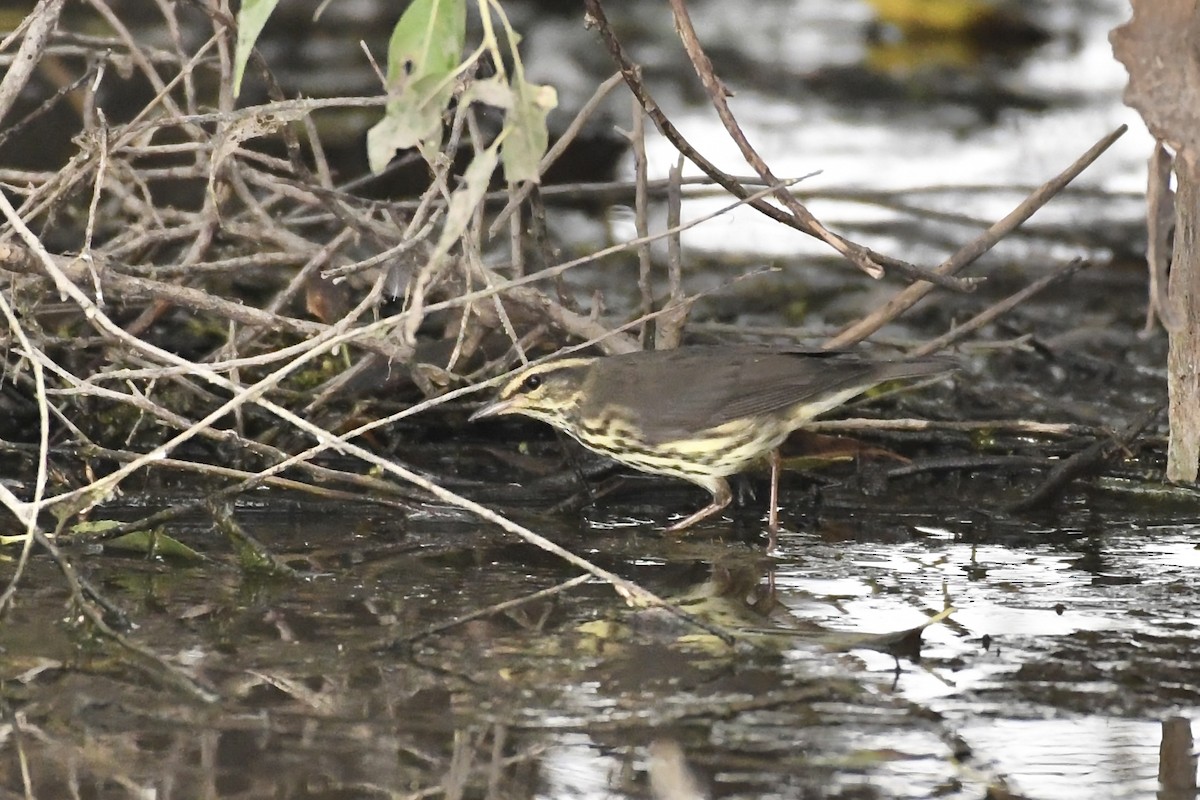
(681, 392)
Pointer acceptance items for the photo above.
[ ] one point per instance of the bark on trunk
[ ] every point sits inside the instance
(1183, 359)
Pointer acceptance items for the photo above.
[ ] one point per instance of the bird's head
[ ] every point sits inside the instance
(549, 392)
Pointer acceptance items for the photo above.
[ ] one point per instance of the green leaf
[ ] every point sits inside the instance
(415, 120)
(466, 197)
(423, 54)
(154, 542)
(428, 40)
(527, 138)
(252, 18)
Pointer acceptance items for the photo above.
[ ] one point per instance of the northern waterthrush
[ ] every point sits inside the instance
(699, 413)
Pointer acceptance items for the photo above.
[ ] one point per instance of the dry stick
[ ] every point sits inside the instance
(168, 11)
(27, 514)
(232, 265)
(139, 58)
(85, 80)
(436, 261)
(250, 481)
(43, 459)
(911, 295)
(1000, 308)
(471, 264)
(493, 609)
(73, 45)
(76, 170)
(670, 328)
(633, 593)
(1021, 426)
(128, 287)
(1091, 458)
(701, 186)
(242, 340)
(1160, 220)
(619, 191)
(516, 235)
(476, 267)
(40, 24)
(717, 94)
(547, 251)
(408, 241)
(327, 338)
(589, 191)
(21, 260)
(641, 218)
(313, 136)
(375, 489)
(962, 463)
(16, 259)
(632, 75)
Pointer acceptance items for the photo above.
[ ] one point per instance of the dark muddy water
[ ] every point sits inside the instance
(1064, 654)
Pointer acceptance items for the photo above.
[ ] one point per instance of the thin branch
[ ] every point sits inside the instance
(970, 252)
(1000, 308)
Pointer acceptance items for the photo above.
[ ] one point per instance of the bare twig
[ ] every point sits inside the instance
(1094, 457)
(1023, 427)
(717, 96)
(39, 24)
(496, 608)
(670, 326)
(558, 148)
(1160, 217)
(998, 309)
(641, 218)
(971, 251)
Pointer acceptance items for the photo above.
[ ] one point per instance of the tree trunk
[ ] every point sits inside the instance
(1183, 359)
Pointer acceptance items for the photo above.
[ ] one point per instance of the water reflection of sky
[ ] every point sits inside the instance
(1027, 600)
(897, 143)
(1080, 758)
(575, 767)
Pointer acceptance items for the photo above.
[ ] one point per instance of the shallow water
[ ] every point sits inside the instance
(1053, 674)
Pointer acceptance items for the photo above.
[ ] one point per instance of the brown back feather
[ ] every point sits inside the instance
(675, 393)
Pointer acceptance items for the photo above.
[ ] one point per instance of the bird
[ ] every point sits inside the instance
(699, 412)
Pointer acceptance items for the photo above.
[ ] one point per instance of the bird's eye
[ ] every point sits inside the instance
(531, 383)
